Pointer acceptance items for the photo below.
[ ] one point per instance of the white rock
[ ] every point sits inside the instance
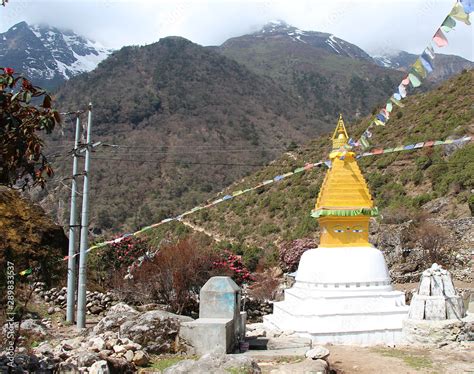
(317, 353)
(97, 344)
(129, 356)
(119, 349)
(99, 367)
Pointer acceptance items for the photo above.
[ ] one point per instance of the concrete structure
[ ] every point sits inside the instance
(221, 324)
(342, 292)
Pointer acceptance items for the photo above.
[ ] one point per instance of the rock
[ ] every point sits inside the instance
(129, 356)
(44, 349)
(96, 309)
(141, 358)
(104, 354)
(318, 352)
(132, 346)
(97, 344)
(68, 368)
(116, 315)
(86, 359)
(34, 327)
(156, 330)
(50, 310)
(120, 366)
(256, 333)
(109, 344)
(119, 349)
(99, 367)
(216, 364)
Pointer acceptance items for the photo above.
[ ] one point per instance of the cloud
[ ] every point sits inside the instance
(377, 26)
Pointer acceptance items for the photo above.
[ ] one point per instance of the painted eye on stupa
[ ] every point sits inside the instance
(338, 229)
(357, 229)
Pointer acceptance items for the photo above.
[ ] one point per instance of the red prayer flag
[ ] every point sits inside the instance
(440, 39)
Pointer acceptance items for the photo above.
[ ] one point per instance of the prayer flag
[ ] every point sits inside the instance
(419, 69)
(377, 151)
(440, 39)
(227, 197)
(397, 96)
(367, 133)
(389, 106)
(381, 117)
(364, 142)
(278, 178)
(419, 145)
(429, 144)
(408, 147)
(397, 102)
(459, 14)
(415, 82)
(328, 163)
(430, 51)
(448, 24)
(26, 272)
(406, 80)
(426, 62)
(388, 150)
(298, 170)
(468, 6)
(402, 90)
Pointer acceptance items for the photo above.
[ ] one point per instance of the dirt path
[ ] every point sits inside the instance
(402, 360)
(216, 237)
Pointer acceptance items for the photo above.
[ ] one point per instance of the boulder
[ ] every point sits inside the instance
(86, 359)
(317, 352)
(99, 367)
(97, 344)
(140, 358)
(68, 368)
(216, 364)
(116, 315)
(120, 366)
(156, 330)
(33, 327)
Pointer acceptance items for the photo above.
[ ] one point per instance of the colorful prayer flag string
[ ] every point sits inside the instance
(277, 178)
(421, 67)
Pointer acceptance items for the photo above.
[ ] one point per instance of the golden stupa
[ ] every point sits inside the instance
(344, 205)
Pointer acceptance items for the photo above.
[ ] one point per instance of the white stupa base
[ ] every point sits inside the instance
(342, 296)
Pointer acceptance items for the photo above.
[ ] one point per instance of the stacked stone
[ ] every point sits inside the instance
(256, 309)
(436, 298)
(97, 302)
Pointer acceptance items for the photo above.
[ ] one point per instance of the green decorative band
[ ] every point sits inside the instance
(345, 212)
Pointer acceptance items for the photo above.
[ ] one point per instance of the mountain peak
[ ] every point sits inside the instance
(48, 55)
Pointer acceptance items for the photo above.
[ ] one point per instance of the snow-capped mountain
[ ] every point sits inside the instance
(445, 66)
(47, 55)
(315, 38)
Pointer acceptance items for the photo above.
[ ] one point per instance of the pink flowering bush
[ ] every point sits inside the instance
(231, 264)
(127, 251)
(291, 252)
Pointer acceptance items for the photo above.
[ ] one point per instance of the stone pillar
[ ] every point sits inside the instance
(221, 324)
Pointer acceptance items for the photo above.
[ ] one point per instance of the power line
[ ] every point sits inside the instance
(185, 162)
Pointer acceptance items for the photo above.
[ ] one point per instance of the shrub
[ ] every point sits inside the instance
(173, 277)
(432, 238)
(291, 252)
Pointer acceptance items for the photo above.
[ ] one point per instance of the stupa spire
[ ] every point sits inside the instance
(344, 205)
(340, 137)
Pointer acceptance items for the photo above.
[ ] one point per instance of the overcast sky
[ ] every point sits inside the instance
(378, 26)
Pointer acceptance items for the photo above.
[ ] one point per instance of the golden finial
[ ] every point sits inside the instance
(340, 137)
